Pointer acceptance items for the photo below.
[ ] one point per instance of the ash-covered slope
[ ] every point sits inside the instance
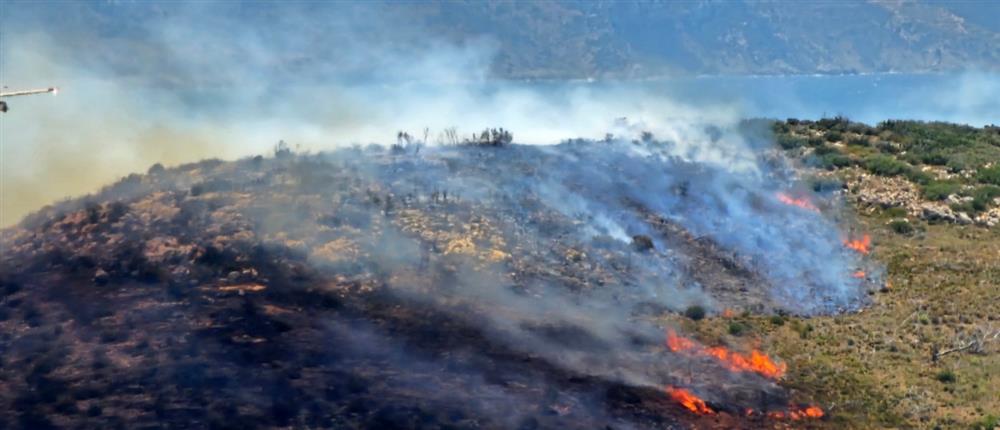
(410, 287)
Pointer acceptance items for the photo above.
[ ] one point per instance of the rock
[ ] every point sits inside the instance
(101, 277)
(964, 218)
(989, 218)
(937, 212)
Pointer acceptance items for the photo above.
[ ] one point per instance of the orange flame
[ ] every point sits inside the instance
(802, 202)
(860, 274)
(677, 343)
(797, 413)
(689, 401)
(728, 313)
(862, 245)
(757, 361)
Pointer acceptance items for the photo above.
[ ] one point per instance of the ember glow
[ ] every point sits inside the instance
(756, 362)
(690, 401)
(862, 245)
(860, 274)
(801, 202)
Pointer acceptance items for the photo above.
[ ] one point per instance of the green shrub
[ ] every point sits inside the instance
(989, 175)
(815, 142)
(940, 190)
(885, 165)
(695, 312)
(934, 158)
(825, 185)
(737, 328)
(857, 141)
(988, 422)
(982, 197)
(945, 376)
(790, 142)
(966, 207)
(887, 147)
(837, 123)
(901, 226)
(919, 177)
(895, 212)
(833, 136)
(956, 165)
(832, 161)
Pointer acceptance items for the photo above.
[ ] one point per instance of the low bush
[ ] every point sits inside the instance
(695, 312)
(989, 175)
(945, 376)
(858, 141)
(886, 166)
(982, 197)
(737, 328)
(790, 142)
(901, 226)
(940, 190)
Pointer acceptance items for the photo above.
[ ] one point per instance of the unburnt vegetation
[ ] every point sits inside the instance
(932, 170)
(926, 353)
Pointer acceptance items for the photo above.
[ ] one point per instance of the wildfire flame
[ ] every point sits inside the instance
(801, 202)
(797, 413)
(689, 401)
(757, 361)
(860, 274)
(862, 245)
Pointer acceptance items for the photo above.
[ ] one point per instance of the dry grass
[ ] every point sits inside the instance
(875, 368)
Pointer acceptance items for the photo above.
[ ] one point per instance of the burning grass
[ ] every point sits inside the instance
(755, 361)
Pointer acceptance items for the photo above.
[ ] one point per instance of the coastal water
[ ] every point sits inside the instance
(967, 98)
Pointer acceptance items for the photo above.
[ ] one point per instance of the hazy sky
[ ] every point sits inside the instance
(148, 82)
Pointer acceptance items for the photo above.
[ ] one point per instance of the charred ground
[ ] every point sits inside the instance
(407, 288)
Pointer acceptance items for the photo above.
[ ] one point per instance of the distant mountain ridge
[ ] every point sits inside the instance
(642, 39)
(598, 39)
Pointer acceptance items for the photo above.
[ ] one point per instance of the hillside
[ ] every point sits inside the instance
(495, 285)
(360, 288)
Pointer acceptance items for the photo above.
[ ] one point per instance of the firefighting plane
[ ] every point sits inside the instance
(5, 94)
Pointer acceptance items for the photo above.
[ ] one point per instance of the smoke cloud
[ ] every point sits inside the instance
(141, 84)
